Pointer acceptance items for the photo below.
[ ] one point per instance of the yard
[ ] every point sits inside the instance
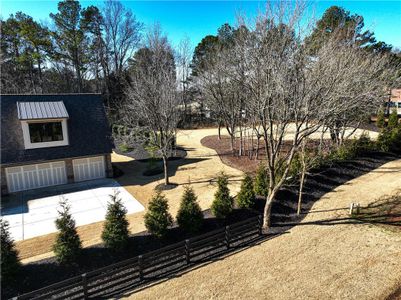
(326, 256)
(199, 166)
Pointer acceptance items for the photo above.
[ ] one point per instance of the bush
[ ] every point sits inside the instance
(261, 185)
(124, 148)
(246, 196)
(296, 166)
(390, 139)
(190, 216)
(384, 140)
(223, 202)
(362, 145)
(115, 233)
(67, 247)
(381, 121)
(393, 119)
(158, 219)
(10, 264)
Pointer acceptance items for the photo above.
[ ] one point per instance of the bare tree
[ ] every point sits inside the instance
(184, 58)
(152, 95)
(121, 35)
(293, 94)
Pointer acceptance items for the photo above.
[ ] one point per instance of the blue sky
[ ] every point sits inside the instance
(196, 19)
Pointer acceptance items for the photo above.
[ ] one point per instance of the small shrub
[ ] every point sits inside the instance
(381, 121)
(393, 119)
(115, 233)
(158, 218)
(10, 264)
(190, 216)
(67, 247)
(384, 140)
(390, 139)
(124, 148)
(246, 196)
(362, 145)
(223, 202)
(295, 166)
(261, 185)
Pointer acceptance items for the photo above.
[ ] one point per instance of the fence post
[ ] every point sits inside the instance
(228, 237)
(85, 285)
(260, 222)
(187, 251)
(140, 267)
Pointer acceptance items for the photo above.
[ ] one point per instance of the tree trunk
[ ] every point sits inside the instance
(301, 188)
(219, 130)
(267, 212)
(257, 148)
(240, 152)
(165, 166)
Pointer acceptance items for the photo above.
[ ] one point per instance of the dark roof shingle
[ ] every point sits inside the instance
(88, 129)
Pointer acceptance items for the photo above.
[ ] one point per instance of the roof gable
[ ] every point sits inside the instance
(88, 129)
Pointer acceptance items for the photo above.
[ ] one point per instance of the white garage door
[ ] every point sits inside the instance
(89, 168)
(35, 176)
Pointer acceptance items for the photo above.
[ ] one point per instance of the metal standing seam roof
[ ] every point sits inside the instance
(41, 110)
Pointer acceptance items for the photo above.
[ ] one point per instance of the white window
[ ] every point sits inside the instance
(44, 133)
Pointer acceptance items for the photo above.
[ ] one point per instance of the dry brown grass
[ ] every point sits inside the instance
(311, 261)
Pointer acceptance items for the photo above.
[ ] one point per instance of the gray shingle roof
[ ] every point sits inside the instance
(41, 110)
(88, 129)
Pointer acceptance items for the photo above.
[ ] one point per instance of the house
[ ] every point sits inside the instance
(50, 140)
(394, 102)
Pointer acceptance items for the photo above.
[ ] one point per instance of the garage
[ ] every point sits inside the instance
(88, 168)
(35, 176)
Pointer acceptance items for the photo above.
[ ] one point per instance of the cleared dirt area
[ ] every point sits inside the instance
(199, 167)
(326, 256)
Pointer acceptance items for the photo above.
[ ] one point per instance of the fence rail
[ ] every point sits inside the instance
(133, 272)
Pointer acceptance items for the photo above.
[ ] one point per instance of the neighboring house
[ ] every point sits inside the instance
(394, 102)
(53, 139)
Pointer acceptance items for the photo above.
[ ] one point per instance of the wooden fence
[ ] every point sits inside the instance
(129, 274)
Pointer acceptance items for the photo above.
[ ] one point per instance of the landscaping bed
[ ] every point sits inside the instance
(138, 152)
(243, 163)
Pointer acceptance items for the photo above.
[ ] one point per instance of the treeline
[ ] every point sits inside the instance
(89, 49)
(84, 49)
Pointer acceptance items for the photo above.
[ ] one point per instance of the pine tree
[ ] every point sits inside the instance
(393, 119)
(246, 196)
(189, 215)
(68, 245)
(158, 218)
(380, 122)
(223, 202)
(10, 264)
(261, 181)
(115, 233)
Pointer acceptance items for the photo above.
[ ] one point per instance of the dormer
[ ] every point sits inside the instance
(44, 124)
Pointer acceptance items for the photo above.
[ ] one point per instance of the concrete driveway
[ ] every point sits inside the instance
(32, 213)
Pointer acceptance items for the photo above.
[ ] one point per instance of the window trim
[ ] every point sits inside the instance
(27, 138)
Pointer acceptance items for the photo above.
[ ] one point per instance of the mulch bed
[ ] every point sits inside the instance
(138, 152)
(323, 180)
(244, 162)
